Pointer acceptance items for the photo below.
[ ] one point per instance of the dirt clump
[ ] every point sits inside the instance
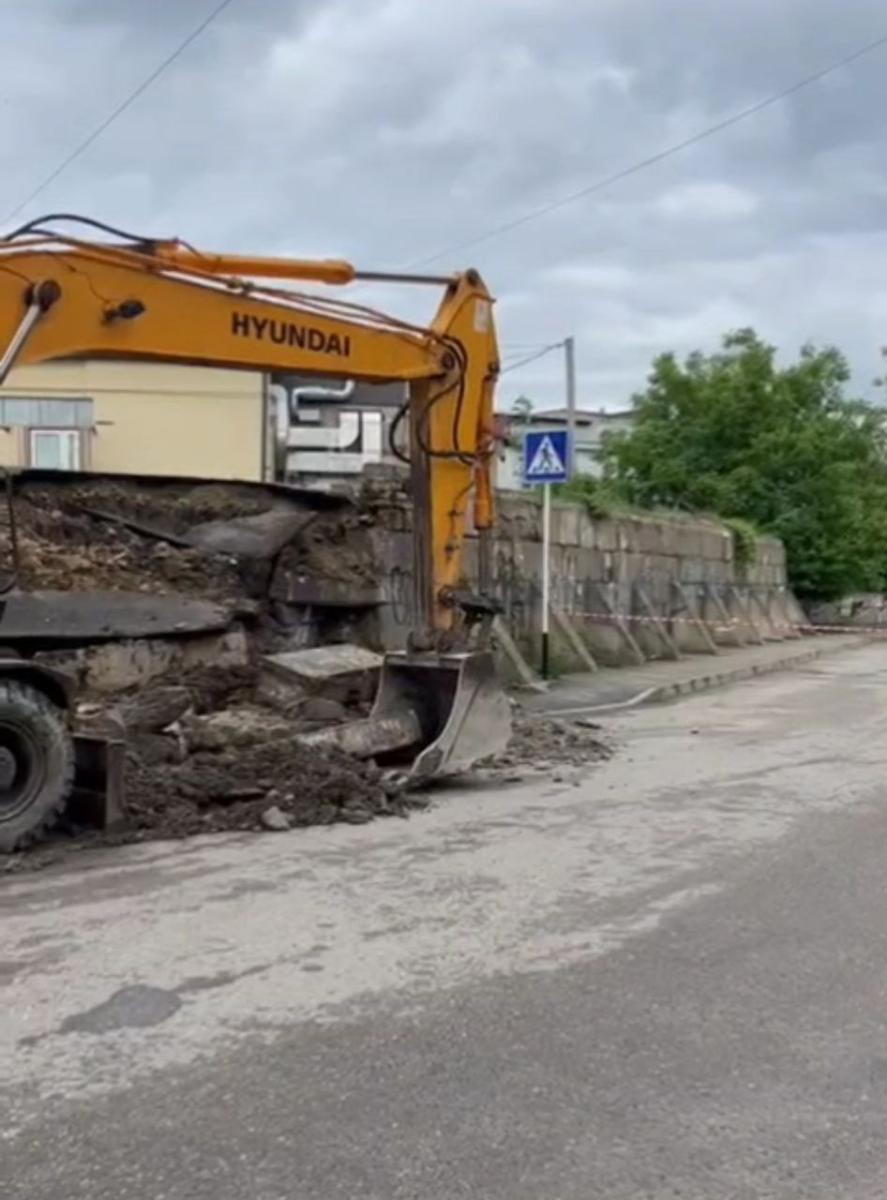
(541, 742)
(214, 688)
(333, 547)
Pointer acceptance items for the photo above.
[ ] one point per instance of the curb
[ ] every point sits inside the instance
(704, 683)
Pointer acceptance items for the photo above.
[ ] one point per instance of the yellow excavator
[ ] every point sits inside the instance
(107, 293)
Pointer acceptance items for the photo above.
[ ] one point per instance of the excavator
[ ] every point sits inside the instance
(103, 292)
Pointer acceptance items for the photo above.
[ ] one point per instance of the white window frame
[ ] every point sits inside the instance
(72, 439)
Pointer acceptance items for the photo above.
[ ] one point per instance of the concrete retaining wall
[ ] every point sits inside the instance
(675, 568)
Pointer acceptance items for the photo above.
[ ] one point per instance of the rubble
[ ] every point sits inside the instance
(233, 727)
(275, 820)
(212, 748)
(229, 789)
(549, 745)
(188, 538)
(152, 710)
(319, 709)
(344, 672)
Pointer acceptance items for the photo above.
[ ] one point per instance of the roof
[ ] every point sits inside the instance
(582, 414)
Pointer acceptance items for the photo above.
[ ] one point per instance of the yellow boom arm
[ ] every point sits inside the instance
(62, 297)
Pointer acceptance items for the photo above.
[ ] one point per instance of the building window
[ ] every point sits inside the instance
(43, 413)
(55, 449)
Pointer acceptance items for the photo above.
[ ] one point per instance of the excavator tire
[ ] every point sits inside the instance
(36, 763)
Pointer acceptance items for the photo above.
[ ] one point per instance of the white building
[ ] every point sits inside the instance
(326, 428)
(592, 426)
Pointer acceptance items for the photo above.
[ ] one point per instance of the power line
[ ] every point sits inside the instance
(120, 109)
(653, 159)
(522, 362)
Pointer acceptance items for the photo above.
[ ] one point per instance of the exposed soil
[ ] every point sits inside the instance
(204, 753)
(551, 745)
(215, 688)
(333, 548)
(173, 792)
(231, 790)
(61, 547)
(174, 508)
(74, 535)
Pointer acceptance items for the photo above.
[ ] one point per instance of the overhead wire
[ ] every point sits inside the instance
(652, 159)
(522, 362)
(121, 108)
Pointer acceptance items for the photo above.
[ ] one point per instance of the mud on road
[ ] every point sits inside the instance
(224, 766)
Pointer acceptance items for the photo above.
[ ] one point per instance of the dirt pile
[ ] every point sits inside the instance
(261, 771)
(233, 789)
(551, 744)
(115, 535)
(226, 760)
(63, 547)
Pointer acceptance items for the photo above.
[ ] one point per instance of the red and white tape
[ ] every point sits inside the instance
(721, 626)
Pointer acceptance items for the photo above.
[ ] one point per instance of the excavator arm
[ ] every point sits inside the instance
(63, 297)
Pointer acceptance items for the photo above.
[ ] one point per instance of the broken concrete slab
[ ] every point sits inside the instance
(114, 666)
(260, 536)
(346, 673)
(152, 709)
(92, 616)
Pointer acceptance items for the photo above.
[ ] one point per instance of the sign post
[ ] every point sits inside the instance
(546, 461)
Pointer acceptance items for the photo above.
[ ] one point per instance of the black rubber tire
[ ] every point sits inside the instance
(36, 732)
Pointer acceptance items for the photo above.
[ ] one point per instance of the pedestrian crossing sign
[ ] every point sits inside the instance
(546, 456)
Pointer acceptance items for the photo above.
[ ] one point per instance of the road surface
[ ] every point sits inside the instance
(668, 978)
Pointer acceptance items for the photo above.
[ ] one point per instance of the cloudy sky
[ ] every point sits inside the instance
(391, 131)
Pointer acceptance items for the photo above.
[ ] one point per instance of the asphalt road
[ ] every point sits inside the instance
(667, 980)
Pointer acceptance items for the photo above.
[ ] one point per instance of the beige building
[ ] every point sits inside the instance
(162, 419)
(139, 418)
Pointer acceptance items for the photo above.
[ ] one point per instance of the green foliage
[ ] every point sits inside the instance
(782, 448)
(745, 542)
(599, 497)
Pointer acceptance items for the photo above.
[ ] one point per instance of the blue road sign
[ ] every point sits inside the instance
(546, 456)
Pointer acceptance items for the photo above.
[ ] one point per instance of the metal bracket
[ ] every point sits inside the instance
(40, 298)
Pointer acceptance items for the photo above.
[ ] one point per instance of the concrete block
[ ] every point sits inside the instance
(652, 537)
(344, 673)
(607, 534)
(565, 523)
(588, 533)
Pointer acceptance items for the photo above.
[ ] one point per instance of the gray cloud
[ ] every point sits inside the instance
(387, 130)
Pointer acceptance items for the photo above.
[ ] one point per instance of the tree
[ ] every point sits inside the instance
(522, 408)
(734, 434)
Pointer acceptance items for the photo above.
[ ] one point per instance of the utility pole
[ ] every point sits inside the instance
(570, 369)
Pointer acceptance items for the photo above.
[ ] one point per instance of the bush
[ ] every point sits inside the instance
(781, 449)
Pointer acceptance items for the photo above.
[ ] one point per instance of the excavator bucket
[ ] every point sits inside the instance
(456, 702)
(97, 798)
(434, 715)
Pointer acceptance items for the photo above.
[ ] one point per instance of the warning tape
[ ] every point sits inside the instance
(720, 626)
